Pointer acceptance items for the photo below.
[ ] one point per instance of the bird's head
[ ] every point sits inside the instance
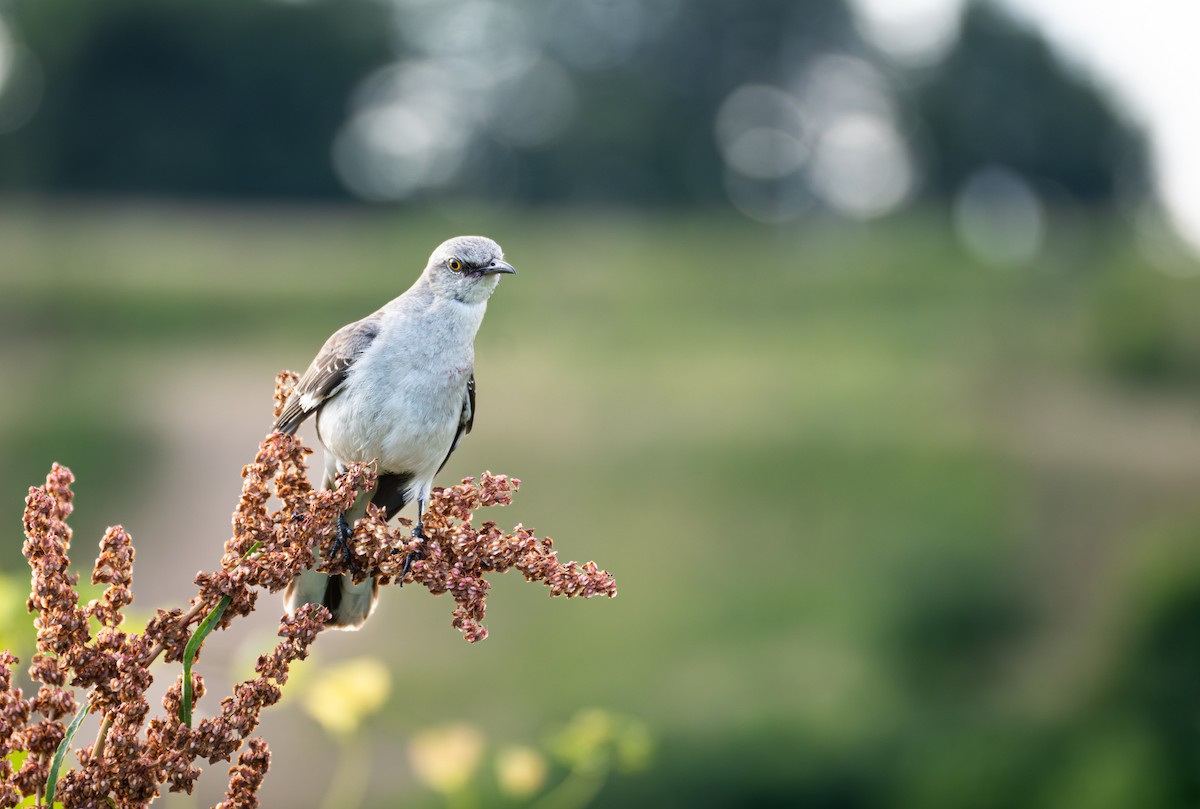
(467, 268)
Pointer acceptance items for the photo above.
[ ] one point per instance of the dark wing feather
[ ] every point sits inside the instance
(466, 419)
(327, 372)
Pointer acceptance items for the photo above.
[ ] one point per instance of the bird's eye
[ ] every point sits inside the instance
(455, 265)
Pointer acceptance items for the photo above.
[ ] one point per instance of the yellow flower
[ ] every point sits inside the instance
(445, 758)
(634, 746)
(596, 740)
(520, 770)
(584, 744)
(341, 696)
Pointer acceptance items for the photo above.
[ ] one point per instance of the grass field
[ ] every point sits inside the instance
(890, 527)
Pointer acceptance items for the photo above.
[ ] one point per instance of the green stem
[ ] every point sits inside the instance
(348, 785)
(577, 790)
(193, 647)
(465, 798)
(61, 753)
(189, 655)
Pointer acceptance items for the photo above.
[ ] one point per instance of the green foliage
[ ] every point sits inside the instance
(203, 630)
(893, 529)
(591, 748)
(78, 426)
(16, 626)
(60, 754)
(228, 98)
(956, 624)
(1145, 331)
(251, 92)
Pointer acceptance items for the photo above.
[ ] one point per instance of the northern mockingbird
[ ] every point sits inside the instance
(397, 388)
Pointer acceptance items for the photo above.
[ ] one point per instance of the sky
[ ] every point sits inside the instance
(1145, 54)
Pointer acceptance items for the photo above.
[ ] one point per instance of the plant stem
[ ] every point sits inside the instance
(576, 790)
(348, 785)
(101, 738)
(59, 755)
(465, 798)
(184, 619)
(189, 655)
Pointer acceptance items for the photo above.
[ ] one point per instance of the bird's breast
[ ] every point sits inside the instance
(401, 413)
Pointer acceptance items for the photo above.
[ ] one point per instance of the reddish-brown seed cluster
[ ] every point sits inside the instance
(114, 567)
(14, 714)
(247, 776)
(457, 555)
(62, 628)
(134, 754)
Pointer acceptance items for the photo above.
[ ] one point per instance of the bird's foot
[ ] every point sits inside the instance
(342, 542)
(415, 554)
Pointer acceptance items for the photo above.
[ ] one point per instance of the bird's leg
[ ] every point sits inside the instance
(418, 534)
(342, 542)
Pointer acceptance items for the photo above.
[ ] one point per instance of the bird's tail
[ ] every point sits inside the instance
(349, 603)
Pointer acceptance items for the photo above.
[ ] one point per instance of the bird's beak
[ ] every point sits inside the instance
(499, 266)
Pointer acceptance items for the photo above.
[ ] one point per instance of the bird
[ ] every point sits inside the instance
(397, 389)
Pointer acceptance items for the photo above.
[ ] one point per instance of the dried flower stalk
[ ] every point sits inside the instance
(135, 755)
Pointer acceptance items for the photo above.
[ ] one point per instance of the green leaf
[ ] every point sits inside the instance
(189, 655)
(61, 753)
(193, 647)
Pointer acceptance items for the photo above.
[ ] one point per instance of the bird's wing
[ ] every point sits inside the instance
(466, 418)
(327, 373)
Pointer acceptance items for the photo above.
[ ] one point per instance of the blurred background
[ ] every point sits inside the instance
(860, 340)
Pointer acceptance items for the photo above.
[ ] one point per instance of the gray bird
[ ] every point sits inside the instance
(397, 388)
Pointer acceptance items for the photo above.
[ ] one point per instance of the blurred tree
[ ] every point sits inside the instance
(644, 128)
(953, 634)
(1156, 683)
(1142, 330)
(1003, 97)
(237, 98)
(206, 97)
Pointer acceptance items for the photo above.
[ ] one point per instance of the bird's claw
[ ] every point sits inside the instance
(342, 542)
(416, 553)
